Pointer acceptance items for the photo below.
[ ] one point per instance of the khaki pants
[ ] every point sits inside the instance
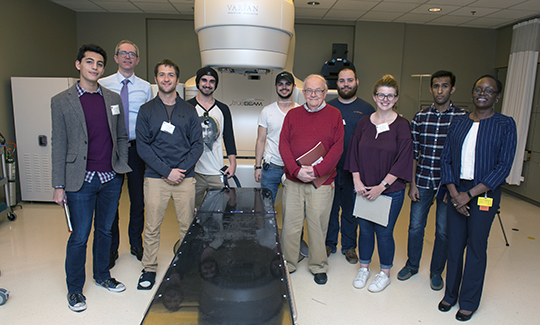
(205, 182)
(317, 203)
(157, 194)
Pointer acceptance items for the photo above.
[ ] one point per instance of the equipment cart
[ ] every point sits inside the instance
(5, 208)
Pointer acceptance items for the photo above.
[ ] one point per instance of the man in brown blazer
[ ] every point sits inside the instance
(89, 151)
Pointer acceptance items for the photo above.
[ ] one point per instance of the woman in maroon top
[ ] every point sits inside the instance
(380, 158)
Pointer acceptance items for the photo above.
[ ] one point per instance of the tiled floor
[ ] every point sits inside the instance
(32, 251)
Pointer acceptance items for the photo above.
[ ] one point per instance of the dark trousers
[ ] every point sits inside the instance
(464, 283)
(343, 198)
(135, 181)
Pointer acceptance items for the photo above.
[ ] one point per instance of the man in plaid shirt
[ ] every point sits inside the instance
(429, 128)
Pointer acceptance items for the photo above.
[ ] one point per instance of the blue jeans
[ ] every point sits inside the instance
(271, 178)
(343, 198)
(103, 199)
(385, 235)
(419, 215)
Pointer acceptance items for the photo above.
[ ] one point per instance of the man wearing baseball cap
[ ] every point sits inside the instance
(212, 112)
(269, 172)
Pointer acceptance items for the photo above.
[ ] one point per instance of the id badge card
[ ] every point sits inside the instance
(167, 127)
(484, 203)
(115, 109)
(382, 128)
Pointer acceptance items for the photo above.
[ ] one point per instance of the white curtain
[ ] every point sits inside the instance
(519, 91)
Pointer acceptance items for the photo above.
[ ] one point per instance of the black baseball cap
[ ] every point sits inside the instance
(285, 75)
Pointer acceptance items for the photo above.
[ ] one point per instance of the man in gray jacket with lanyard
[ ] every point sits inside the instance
(169, 140)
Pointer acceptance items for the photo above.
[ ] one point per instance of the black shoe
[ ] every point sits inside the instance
(112, 259)
(445, 307)
(146, 280)
(137, 251)
(321, 278)
(463, 317)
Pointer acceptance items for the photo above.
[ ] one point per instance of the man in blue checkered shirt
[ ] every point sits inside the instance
(429, 128)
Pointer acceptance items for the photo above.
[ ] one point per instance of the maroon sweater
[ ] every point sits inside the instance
(302, 130)
(100, 145)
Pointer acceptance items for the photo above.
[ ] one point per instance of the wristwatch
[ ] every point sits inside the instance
(257, 167)
(386, 185)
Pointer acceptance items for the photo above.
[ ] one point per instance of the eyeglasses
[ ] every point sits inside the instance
(125, 54)
(487, 91)
(381, 96)
(317, 91)
(206, 118)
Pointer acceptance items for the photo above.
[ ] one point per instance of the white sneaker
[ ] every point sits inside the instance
(361, 278)
(380, 283)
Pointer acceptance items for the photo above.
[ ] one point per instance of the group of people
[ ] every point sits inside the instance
(103, 129)
(170, 148)
(457, 158)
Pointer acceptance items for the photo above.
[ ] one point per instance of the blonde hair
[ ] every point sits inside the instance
(386, 81)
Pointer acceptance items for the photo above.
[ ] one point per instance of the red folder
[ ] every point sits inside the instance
(312, 158)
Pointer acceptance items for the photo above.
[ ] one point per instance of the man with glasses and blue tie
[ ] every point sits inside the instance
(134, 92)
(305, 127)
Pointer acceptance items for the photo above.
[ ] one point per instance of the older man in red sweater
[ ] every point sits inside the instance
(304, 127)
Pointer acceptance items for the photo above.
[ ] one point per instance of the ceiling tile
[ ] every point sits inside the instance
(511, 14)
(528, 5)
(355, 5)
(81, 6)
(487, 22)
(117, 6)
(452, 2)
(183, 8)
(324, 4)
(380, 16)
(344, 14)
(157, 7)
(496, 3)
(395, 6)
(478, 12)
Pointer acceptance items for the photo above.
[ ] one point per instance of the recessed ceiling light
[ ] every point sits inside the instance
(434, 9)
(313, 3)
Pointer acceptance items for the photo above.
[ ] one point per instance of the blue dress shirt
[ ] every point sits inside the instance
(140, 92)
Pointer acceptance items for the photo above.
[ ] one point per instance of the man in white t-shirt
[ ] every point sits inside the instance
(216, 122)
(270, 122)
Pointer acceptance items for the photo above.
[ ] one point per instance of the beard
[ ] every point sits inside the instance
(349, 93)
(284, 97)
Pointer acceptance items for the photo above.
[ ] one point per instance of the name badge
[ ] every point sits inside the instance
(382, 128)
(484, 203)
(167, 127)
(115, 109)
(344, 123)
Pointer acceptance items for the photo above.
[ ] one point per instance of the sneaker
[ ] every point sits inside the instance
(406, 273)
(146, 280)
(111, 285)
(436, 282)
(380, 283)
(361, 278)
(76, 302)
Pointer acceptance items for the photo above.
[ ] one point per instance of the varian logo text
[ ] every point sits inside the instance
(243, 9)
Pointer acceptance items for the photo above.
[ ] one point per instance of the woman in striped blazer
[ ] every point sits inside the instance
(476, 160)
